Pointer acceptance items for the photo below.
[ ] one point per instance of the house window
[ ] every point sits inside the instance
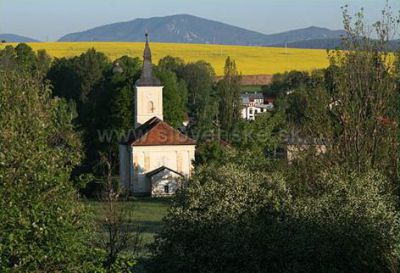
(150, 107)
(166, 189)
(251, 111)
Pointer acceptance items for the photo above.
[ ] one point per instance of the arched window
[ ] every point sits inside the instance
(150, 107)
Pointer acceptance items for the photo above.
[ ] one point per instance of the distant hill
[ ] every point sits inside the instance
(327, 44)
(13, 38)
(308, 36)
(192, 29)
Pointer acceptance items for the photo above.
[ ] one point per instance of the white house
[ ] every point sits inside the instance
(157, 158)
(254, 104)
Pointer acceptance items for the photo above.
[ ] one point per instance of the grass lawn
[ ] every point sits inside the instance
(145, 215)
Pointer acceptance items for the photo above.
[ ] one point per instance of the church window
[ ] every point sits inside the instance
(150, 107)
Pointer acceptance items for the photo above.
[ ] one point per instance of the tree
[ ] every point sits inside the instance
(113, 109)
(173, 64)
(359, 102)
(42, 222)
(114, 233)
(104, 101)
(230, 104)
(286, 82)
(8, 58)
(24, 59)
(174, 97)
(202, 98)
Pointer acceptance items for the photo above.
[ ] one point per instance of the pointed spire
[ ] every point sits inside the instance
(147, 78)
(147, 50)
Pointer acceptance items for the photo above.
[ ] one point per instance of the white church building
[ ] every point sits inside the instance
(157, 158)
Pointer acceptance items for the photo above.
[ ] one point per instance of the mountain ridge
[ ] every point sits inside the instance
(14, 38)
(184, 28)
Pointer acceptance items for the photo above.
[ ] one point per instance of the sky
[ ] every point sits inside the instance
(51, 19)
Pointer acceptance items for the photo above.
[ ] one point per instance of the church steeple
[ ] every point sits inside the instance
(149, 91)
(147, 77)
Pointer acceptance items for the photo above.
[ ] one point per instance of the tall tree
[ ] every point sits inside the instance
(202, 98)
(174, 97)
(228, 90)
(362, 94)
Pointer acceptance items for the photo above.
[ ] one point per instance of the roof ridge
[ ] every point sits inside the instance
(154, 120)
(158, 132)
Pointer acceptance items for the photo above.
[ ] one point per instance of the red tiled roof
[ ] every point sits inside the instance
(156, 132)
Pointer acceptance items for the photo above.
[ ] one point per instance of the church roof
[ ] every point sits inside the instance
(156, 132)
(147, 78)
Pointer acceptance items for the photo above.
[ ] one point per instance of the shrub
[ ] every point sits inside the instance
(232, 220)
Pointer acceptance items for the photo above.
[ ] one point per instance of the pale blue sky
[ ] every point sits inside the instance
(51, 19)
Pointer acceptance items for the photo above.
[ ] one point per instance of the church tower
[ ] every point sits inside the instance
(148, 91)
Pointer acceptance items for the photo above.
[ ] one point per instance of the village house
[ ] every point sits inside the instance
(255, 103)
(157, 158)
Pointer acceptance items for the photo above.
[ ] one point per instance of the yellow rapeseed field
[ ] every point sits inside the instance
(250, 60)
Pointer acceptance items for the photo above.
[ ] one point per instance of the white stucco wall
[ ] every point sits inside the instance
(165, 178)
(144, 96)
(148, 158)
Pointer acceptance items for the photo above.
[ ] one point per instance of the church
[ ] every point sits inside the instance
(156, 159)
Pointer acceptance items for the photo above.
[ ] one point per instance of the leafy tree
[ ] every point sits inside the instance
(357, 115)
(263, 136)
(286, 82)
(8, 58)
(24, 59)
(173, 64)
(211, 152)
(231, 219)
(90, 69)
(174, 97)
(87, 80)
(42, 222)
(43, 63)
(230, 104)
(64, 78)
(202, 99)
(113, 109)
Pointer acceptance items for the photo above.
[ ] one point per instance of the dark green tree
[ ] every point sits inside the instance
(174, 97)
(230, 105)
(202, 98)
(173, 64)
(25, 57)
(283, 83)
(8, 58)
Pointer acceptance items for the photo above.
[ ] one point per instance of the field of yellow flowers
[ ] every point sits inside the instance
(250, 60)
